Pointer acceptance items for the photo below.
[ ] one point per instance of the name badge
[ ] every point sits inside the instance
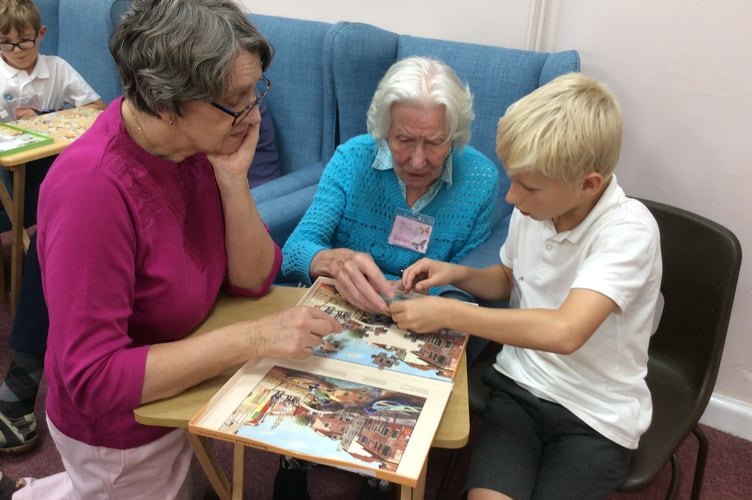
(411, 231)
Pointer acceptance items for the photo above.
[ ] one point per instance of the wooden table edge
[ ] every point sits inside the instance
(177, 411)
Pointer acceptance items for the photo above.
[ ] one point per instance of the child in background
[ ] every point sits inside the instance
(28, 339)
(582, 264)
(33, 83)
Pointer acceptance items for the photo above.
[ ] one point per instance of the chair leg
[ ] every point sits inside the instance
(673, 487)
(702, 457)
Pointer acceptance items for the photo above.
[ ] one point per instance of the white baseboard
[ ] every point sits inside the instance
(729, 415)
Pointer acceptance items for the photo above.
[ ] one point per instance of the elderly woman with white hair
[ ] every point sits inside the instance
(410, 188)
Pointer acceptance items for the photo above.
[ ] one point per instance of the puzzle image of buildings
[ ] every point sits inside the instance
(374, 340)
(325, 416)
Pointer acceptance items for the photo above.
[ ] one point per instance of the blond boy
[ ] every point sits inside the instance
(582, 269)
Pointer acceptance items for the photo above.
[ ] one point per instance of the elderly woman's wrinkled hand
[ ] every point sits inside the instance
(362, 283)
(292, 334)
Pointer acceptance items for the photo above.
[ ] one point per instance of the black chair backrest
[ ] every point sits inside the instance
(701, 261)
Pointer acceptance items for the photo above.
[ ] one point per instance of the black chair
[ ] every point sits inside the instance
(701, 261)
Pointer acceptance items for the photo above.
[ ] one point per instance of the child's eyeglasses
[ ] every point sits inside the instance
(22, 45)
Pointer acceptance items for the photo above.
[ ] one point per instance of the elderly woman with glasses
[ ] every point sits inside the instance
(142, 221)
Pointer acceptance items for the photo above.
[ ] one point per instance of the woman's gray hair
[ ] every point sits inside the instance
(420, 80)
(172, 51)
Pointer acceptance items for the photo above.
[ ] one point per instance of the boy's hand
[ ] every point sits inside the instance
(24, 112)
(427, 273)
(421, 315)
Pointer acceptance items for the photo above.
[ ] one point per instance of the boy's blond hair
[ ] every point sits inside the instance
(565, 129)
(19, 14)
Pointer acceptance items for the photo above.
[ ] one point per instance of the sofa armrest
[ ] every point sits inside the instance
(288, 184)
(283, 214)
(283, 201)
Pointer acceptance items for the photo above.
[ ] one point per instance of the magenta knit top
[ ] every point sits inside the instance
(132, 252)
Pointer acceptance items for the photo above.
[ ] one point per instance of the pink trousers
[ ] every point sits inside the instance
(163, 469)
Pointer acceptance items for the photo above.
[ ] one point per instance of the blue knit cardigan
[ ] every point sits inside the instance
(355, 204)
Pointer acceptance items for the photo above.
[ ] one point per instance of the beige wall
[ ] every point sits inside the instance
(681, 70)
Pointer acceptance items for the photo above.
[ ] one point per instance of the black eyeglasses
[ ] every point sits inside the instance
(239, 115)
(23, 45)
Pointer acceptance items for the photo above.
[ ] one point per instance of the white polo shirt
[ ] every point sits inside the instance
(52, 84)
(614, 251)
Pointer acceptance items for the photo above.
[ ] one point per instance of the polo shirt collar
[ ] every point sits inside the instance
(41, 70)
(610, 197)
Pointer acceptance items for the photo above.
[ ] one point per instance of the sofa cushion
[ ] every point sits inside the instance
(282, 203)
(559, 63)
(85, 44)
(48, 12)
(265, 165)
(358, 55)
(118, 8)
(296, 99)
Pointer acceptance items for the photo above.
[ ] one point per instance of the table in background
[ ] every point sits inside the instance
(453, 431)
(64, 127)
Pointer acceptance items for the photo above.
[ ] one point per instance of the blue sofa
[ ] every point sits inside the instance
(324, 76)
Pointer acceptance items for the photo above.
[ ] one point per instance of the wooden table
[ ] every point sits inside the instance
(177, 411)
(65, 127)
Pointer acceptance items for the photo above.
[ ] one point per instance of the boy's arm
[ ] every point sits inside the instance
(490, 283)
(25, 112)
(98, 104)
(562, 330)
